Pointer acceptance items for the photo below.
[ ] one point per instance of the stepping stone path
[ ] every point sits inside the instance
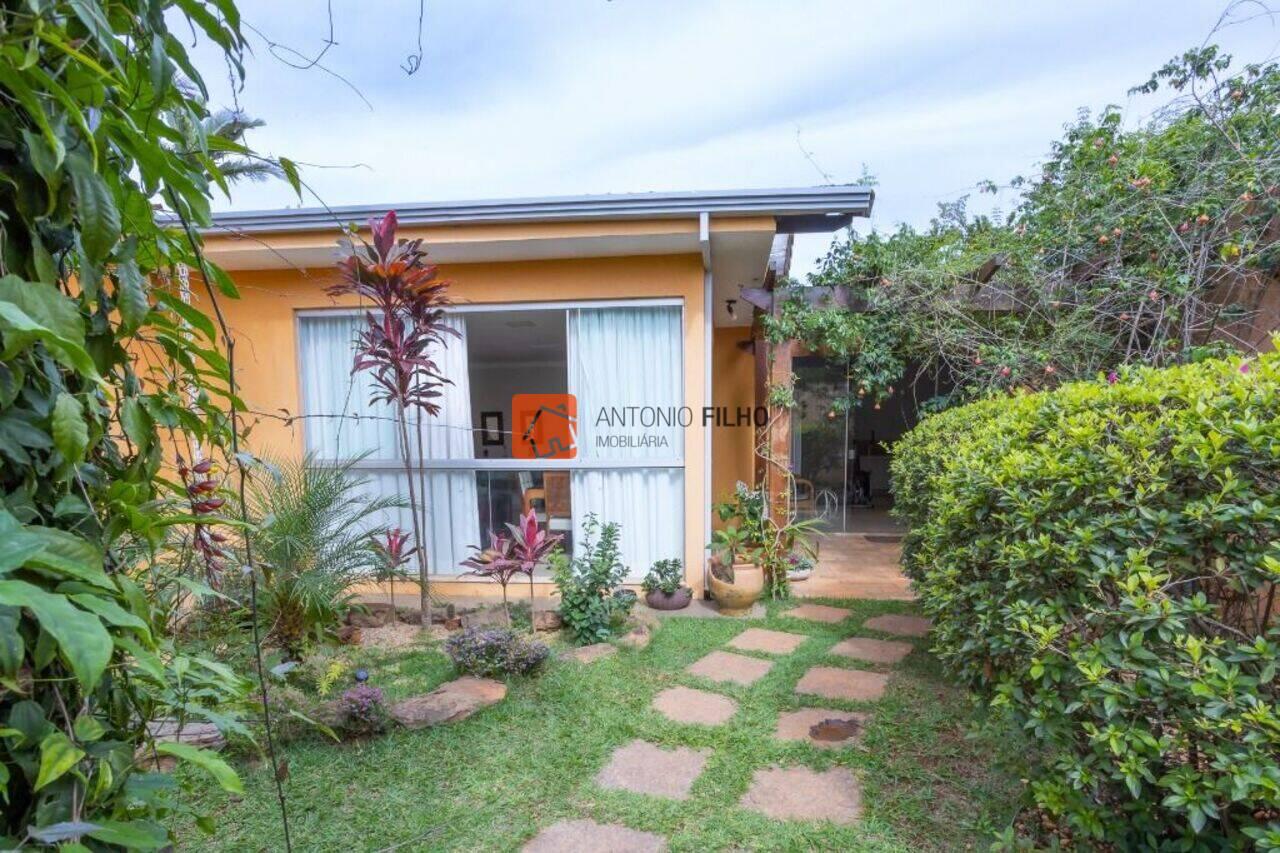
(591, 653)
(686, 705)
(875, 651)
(798, 793)
(854, 685)
(455, 700)
(764, 640)
(587, 836)
(645, 768)
(903, 626)
(728, 667)
(818, 613)
(798, 725)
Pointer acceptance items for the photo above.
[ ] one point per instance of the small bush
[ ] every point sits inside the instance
(362, 710)
(591, 600)
(1101, 560)
(665, 575)
(492, 652)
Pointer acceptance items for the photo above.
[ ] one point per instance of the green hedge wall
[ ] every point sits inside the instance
(1101, 561)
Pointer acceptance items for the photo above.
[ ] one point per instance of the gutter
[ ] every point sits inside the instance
(799, 210)
(708, 333)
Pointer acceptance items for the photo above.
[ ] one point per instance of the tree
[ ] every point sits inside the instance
(104, 367)
(404, 327)
(1142, 246)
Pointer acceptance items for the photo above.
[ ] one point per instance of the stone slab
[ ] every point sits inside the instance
(591, 653)
(455, 700)
(854, 685)
(818, 613)
(875, 651)
(701, 707)
(796, 725)
(587, 836)
(798, 793)
(645, 768)
(764, 640)
(897, 623)
(731, 668)
(637, 638)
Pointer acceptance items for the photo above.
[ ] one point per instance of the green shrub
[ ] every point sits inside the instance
(665, 575)
(495, 652)
(1101, 560)
(589, 584)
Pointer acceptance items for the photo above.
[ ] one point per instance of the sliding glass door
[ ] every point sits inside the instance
(623, 361)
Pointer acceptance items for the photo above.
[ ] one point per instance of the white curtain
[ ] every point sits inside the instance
(326, 347)
(625, 368)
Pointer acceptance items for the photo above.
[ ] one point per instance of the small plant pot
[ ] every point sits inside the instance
(677, 600)
(799, 574)
(735, 598)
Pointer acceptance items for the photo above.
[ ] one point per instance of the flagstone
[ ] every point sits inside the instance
(686, 705)
(799, 793)
(818, 613)
(728, 667)
(764, 640)
(799, 725)
(854, 685)
(875, 651)
(897, 623)
(645, 768)
(591, 653)
(587, 836)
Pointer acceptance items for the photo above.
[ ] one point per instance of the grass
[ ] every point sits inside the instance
(493, 781)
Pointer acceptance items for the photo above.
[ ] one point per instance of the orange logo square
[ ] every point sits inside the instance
(544, 426)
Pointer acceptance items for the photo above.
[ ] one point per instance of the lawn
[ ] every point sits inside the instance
(493, 781)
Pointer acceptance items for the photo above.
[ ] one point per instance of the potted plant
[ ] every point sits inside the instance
(799, 566)
(737, 579)
(664, 587)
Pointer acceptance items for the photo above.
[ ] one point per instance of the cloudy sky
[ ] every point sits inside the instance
(560, 97)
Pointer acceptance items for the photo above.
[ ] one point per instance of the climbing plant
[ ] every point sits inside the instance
(1145, 245)
(117, 412)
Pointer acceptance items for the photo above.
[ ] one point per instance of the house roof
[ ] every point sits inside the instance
(797, 210)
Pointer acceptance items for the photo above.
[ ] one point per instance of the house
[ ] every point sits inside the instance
(629, 303)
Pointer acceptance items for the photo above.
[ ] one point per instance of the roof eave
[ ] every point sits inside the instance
(800, 210)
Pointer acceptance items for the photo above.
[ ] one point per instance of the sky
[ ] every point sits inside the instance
(566, 97)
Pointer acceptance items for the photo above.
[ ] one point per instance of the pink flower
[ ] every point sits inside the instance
(1113, 378)
(1244, 367)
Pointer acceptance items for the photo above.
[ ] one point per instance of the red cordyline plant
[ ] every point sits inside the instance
(508, 556)
(393, 552)
(405, 322)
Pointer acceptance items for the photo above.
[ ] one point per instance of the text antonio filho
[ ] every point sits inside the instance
(651, 417)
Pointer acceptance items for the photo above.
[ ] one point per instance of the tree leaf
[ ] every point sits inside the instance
(137, 424)
(193, 316)
(45, 304)
(207, 759)
(11, 643)
(131, 295)
(88, 728)
(84, 642)
(70, 432)
(57, 755)
(96, 210)
(67, 554)
(21, 331)
(134, 835)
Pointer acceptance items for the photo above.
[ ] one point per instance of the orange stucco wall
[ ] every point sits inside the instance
(732, 386)
(264, 324)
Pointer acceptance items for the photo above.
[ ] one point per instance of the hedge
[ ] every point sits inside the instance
(1100, 560)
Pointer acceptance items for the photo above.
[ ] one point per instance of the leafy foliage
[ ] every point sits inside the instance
(1102, 561)
(311, 532)
(103, 361)
(665, 575)
(362, 711)
(588, 583)
(495, 652)
(750, 535)
(1135, 246)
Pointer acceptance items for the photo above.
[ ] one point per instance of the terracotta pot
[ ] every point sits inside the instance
(677, 600)
(736, 598)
